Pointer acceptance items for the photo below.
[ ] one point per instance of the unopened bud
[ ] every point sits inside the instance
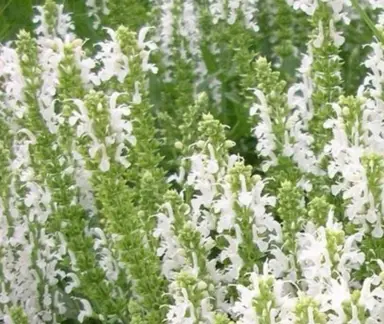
(207, 117)
(77, 42)
(346, 111)
(200, 144)
(201, 97)
(229, 143)
(141, 214)
(202, 285)
(179, 145)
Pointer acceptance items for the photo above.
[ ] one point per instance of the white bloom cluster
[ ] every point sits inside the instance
(266, 143)
(114, 62)
(13, 84)
(310, 6)
(63, 26)
(93, 225)
(119, 133)
(240, 219)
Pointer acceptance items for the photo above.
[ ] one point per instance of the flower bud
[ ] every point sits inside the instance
(77, 43)
(229, 144)
(201, 285)
(227, 178)
(179, 145)
(200, 144)
(346, 111)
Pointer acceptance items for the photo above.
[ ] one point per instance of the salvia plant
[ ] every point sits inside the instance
(193, 162)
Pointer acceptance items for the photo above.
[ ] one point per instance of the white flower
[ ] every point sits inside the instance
(142, 43)
(86, 311)
(121, 126)
(232, 254)
(95, 10)
(280, 264)
(75, 282)
(59, 305)
(263, 131)
(308, 6)
(64, 25)
(338, 39)
(224, 206)
(4, 299)
(13, 83)
(177, 313)
(113, 61)
(318, 41)
(136, 98)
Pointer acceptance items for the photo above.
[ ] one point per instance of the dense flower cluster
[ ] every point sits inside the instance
(202, 163)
